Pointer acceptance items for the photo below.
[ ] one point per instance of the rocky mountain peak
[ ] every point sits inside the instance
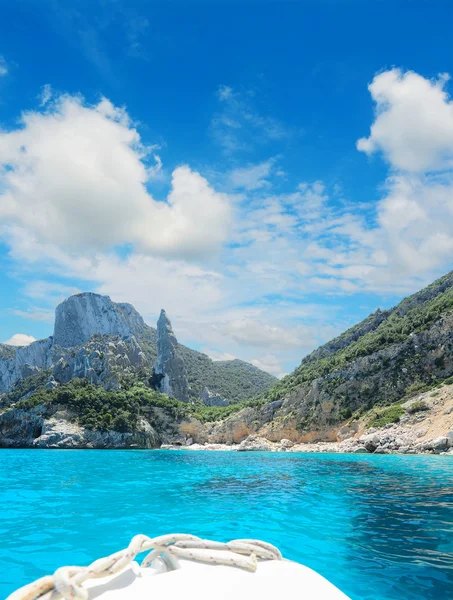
(81, 316)
(170, 365)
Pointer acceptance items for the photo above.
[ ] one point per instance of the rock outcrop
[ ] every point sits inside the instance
(103, 361)
(81, 316)
(109, 343)
(21, 362)
(212, 399)
(170, 370)
(45, 427)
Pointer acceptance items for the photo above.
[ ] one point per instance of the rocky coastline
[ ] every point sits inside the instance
(391, 440)
(426, 427)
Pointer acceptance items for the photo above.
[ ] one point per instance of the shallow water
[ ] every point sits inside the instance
(379, 527)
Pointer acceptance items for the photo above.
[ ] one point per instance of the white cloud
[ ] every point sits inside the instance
(408, 240)
(256, 333)
(250, 300)
(20, 339)
(3, 67)
(44, 290)
(414, 121)
(45, 94)
(75, 175)
(269, 363)
(216, 355)
(36, 314)
(252, 177)
(238, 125)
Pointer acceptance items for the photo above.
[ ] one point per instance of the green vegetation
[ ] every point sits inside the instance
(235, 380)
(384, 416)
(416, 388)
(96, 408)
(7, 352)
(417, 407)
(379, 331)
(217, 413)
(24, 387)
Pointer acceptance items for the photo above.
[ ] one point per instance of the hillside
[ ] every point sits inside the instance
(98, 394)
(232, 379)
(381, 360)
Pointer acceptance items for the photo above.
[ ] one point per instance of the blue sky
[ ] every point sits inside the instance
(268, 172)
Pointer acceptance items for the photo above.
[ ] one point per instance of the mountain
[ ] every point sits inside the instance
(382, 360)
(374, 386)
(109, 344)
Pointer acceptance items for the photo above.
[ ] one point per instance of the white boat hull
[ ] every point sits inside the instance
(272, 580)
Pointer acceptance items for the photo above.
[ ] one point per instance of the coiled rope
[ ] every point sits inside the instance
(67, 582)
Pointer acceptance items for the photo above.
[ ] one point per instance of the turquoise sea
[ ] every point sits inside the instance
(379, 527)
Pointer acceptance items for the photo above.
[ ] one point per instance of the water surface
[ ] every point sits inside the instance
(379, 527)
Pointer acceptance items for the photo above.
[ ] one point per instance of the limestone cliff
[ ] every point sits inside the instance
(109, 343)
(81, 316)
(18, 363)
(170, 368)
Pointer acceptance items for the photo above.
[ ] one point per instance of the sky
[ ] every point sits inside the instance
(269, 172)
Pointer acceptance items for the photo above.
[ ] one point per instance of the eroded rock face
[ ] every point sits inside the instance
(42, 427)
(103, 361)
(18, 428)
(170, 366)
(23, 362)
(81, 316)
(212, 399)
(93, 338)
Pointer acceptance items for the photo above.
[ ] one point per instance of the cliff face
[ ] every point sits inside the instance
(47, 427)
(18, 363)
(81, 316)
(170, 367)
(109, 343)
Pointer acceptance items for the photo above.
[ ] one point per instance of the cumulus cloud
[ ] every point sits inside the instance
(20, 339)
(75, 176)
(414, 121)
(269, 363)
(406, 241)
(259, 334)
(248, 301)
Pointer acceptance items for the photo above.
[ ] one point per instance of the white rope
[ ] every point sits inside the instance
(66, 582)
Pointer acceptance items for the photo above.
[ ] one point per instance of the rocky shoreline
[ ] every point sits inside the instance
(424, 427)
(391, 440)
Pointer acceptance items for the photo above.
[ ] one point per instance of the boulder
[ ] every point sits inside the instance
(440, 443)
(284, 443)
(370, 441)
(256, 444)
(449, 437)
